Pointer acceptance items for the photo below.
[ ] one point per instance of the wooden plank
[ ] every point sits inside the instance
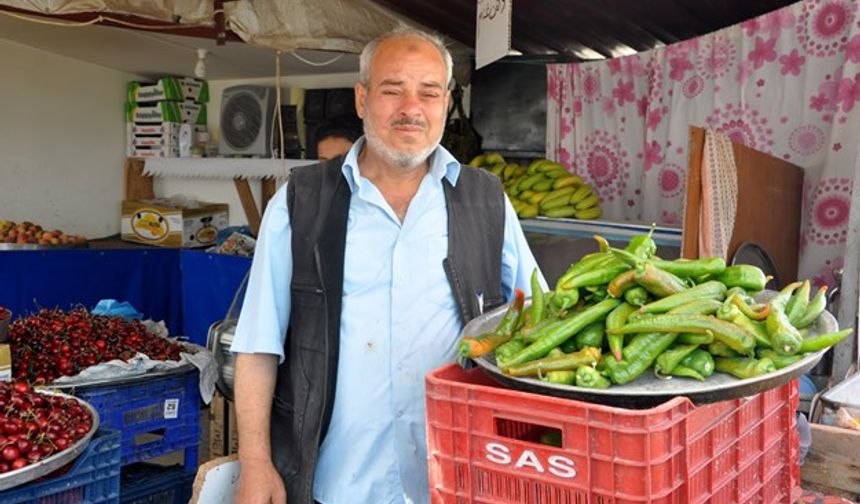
(248, 204)
(693, 199)
(832, 460)
(769, 208)
(268, 188)
(137, 185)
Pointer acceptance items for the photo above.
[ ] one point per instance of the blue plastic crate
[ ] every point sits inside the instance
(93, 477)
(156, 415)
(143, 483)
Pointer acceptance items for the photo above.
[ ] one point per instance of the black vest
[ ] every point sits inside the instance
(318, 199)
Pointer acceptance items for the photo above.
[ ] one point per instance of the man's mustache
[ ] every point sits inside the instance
(409, 122)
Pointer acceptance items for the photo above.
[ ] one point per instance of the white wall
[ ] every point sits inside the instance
(223, 191)
(62, 141)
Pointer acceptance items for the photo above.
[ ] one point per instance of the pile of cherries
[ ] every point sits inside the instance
(54, 343)
(34, 426)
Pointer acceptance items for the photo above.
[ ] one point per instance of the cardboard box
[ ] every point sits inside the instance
(5, 362)
(163, 223)
(223, 433)
(168, 89)
(162, 140)
(166, 112)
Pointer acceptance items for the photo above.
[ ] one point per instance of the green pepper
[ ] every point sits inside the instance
(476, 346)
(750, 311)
(744, 275)
(595, 277)
(784, 337)
(571, 326)
(637, 296)
(508, 322)
(744, 367)
(657, 281)
(685, 372)
(692, 267)
(798, 303)
(699, 361)
(720, 349)
(508, 350)
(642, 246)
(698, 307)
(733, 336)
(588, 377)
(583, 265)
(729, 311)
(621, 283)
(639, 354)
(822, 341)
(586, 357)
(615, 319)
(742, 293)
(551, 438)
(708, 290)
(532, 334)
(779, 361)
(695, 339)
(670, 358)
(565, 299)
(536, 310)
(590, 336)
(814, 309)
(563, 377)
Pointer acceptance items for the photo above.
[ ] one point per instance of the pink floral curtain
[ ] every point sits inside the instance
(786, 83)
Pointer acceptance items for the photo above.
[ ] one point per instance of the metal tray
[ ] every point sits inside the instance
(36, 246)
(647, 390)
(56, 461)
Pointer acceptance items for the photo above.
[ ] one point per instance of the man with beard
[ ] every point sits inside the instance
(366, 269)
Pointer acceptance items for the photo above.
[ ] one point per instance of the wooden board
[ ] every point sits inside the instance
(137, 185)
(832, 462)
(252, 213)
(768, 210)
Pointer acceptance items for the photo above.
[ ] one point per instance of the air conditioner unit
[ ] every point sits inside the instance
(247, 114)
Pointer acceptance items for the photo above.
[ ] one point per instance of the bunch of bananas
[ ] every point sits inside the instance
(543, 188)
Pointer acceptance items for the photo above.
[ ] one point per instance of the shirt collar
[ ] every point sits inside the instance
(442, 164)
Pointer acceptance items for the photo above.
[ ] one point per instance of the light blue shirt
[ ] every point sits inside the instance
(398, 322)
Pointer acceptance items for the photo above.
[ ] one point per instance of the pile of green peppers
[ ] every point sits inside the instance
(617, 313)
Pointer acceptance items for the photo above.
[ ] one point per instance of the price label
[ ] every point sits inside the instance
(171, 408)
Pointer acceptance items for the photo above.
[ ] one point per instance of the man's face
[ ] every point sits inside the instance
(332, 147)
(405, 103)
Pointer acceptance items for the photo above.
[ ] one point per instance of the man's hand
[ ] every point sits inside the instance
(260, 483)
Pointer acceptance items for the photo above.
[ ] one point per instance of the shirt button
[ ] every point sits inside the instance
(399, 413)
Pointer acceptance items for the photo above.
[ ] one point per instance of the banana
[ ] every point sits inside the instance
(589, 213)
(565, 211)
(509, 171)
(583, 192)
(492, 158)
(529, 181)
(564, 191)
(536, 198)
(528, 193)
(528, 211)
(566, 181)
(543, 185)
(519, 171)
(517, 204)
(549, 166)
(478, 161)
(533, 166)
(497, 170)
(553, 174)
(588, 202)
(557, 202)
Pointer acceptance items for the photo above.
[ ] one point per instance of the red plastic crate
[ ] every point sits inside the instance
(483, 447)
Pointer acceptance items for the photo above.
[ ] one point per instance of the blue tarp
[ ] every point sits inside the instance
(187, 289)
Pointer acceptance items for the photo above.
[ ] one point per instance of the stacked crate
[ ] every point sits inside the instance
(156, 415)
(165, 118)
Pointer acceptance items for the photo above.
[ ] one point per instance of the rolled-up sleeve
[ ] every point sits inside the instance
(266, 310)
(517, 258)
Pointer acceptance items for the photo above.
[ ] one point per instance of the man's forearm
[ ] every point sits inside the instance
(253, 390)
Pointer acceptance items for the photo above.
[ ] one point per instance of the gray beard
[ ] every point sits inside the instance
(402, 159)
